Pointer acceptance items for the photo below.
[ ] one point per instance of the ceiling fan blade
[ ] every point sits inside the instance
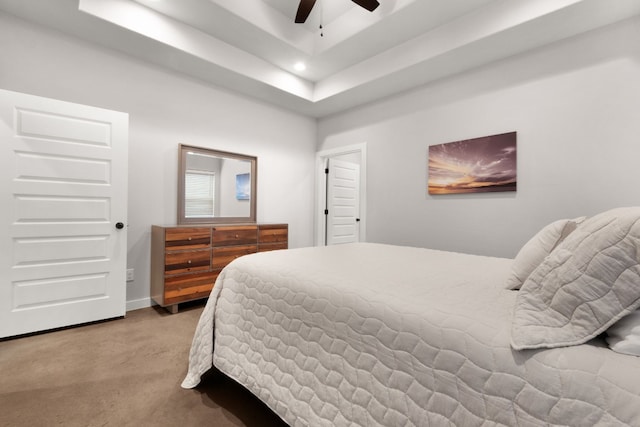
(304, 9)
(370, 5)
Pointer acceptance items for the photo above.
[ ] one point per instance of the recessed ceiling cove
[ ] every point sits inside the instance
(358, 56)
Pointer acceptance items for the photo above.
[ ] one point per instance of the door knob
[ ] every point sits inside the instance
(119, 225)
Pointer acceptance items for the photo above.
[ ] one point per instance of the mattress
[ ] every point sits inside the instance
(370, 334)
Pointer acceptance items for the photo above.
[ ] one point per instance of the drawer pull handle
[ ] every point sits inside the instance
(189, 262)
(236, 236)
(190, 238)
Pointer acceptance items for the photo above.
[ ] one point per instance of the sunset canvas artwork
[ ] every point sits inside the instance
(478, 165)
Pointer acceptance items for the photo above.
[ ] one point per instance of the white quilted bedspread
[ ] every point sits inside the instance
(369, 334)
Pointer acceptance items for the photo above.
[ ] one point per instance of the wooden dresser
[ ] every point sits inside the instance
(185, 261)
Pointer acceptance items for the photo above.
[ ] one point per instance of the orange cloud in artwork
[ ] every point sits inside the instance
(478, 165)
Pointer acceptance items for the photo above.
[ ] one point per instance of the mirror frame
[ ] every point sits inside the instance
(182, 165)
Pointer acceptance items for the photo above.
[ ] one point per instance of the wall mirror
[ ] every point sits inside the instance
(215, 186)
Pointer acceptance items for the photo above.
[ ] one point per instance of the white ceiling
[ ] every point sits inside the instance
(251, 46)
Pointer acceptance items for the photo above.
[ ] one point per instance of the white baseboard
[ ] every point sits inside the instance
(139, 303)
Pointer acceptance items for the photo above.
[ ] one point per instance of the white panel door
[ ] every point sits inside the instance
(63, 191)
(343, 202)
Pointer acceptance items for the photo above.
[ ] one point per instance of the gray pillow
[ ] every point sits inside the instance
(537, 248)
(585, 285)
(624, 335)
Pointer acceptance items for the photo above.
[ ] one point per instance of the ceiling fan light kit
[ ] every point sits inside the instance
(305, 6)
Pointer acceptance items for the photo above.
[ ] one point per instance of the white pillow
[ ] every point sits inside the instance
(624, 335)
(537, 248)
(589, 282)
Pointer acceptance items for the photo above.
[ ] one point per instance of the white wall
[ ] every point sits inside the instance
(576, 108)
(166, 109)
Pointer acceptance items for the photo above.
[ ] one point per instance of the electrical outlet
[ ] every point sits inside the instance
(130, 275)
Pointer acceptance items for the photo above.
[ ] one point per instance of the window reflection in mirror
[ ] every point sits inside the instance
(215, 186)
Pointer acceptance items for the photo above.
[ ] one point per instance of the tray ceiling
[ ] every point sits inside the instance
(252, 46)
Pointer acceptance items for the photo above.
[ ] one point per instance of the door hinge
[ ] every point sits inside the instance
(326, 211)
(326, 170)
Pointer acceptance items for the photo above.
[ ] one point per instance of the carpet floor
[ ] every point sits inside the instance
(118, 373)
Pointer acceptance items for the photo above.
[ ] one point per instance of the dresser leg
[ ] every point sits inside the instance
(173, 309)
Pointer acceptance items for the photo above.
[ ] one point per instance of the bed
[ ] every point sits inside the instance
(371, 334)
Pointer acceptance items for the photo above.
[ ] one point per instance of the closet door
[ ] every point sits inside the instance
(343, 202)
(63, 192)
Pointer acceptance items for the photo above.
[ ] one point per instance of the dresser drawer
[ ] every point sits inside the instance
(187, 287)
(223, 256)
(240, 235)
(187, 238)
(272, 246)
(273, 234)
(187, 261)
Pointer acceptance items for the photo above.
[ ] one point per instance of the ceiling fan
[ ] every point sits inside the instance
(305, 6)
